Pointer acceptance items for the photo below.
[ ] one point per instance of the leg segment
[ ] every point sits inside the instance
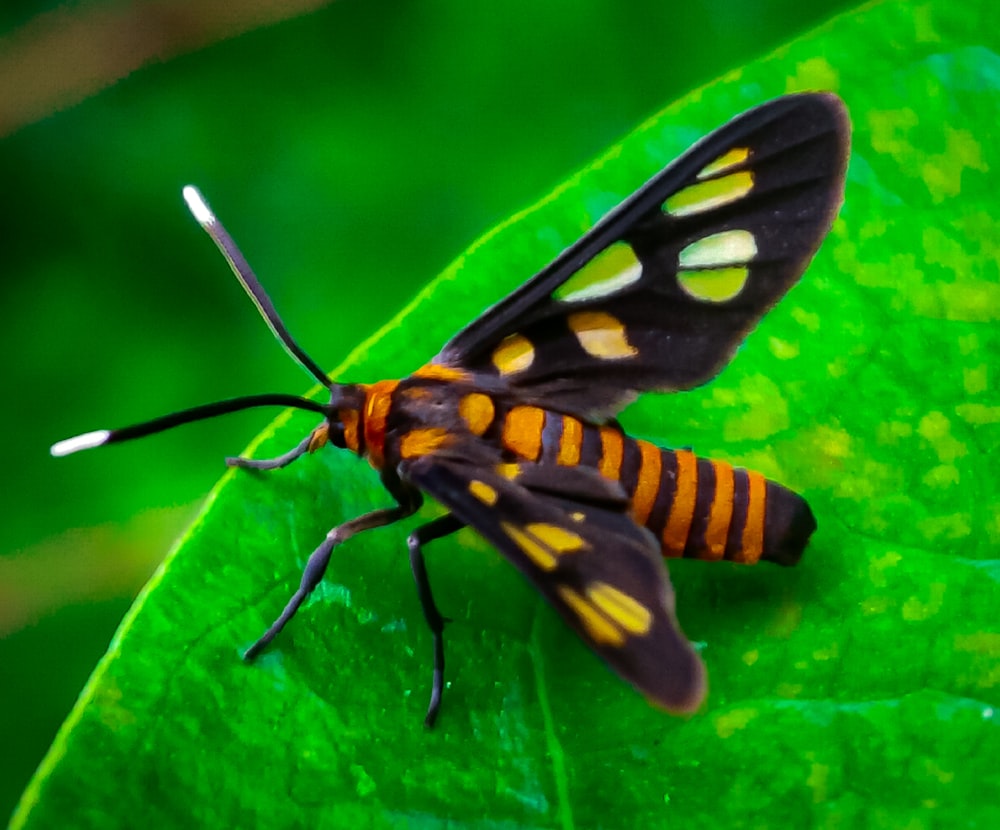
(436, 529)
(320, 558)
(271, 463)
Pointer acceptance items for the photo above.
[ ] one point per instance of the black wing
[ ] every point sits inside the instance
(566, 530)
(660, 293)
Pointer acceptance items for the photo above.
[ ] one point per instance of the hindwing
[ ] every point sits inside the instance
(659, 294)
(567, 530)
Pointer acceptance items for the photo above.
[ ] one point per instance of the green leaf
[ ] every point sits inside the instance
(857, 690)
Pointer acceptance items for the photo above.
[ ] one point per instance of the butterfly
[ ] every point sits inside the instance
(512, 429)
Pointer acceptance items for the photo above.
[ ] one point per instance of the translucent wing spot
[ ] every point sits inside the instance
(624, 610)
(477, 411)
(601, 335)
(482, 491)
(713, 268)
(726, 248)
(514, 354)
(614, 268)
(732, 157)
(557, 538)
(545, 559)
(707, 195)
(597, 626)
(715, 285)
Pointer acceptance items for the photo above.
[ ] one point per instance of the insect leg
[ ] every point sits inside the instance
(271, 463)
(320, 558)
(440, 527)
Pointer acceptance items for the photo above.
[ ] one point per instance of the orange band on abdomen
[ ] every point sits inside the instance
(675, 534)
(753, 531)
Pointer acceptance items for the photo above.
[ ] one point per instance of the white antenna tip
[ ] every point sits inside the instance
(198, 206)
(87, 441)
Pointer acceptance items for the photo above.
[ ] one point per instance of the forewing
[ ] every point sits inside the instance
(659, 294)
(571, 537)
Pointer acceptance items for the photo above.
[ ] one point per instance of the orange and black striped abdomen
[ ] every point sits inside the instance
(704, 509)
(696, 507)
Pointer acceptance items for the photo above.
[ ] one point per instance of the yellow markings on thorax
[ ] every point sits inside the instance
(716, 267)
(648, 485)
(544, 543)
(612, 450)
(613, 269)
(709, 194)
(434, 371)
(570, 442)
(522, 431)
(418, 442)
(730, 158)
(509, 471)
(607, 614)
(601, 335)
(477, 411)
(721, 512)
(752, 543)
(483, 492)
(675, 532)
(514, 354)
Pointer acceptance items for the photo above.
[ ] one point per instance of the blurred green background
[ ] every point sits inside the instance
(352, 150)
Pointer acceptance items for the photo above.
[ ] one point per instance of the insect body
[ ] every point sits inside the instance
(510, 427)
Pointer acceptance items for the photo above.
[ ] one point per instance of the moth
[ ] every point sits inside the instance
(512, 429)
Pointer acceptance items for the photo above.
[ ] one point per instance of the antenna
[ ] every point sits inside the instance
(100, 437)
(244, 273)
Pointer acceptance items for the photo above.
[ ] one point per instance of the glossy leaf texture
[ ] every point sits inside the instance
(859, 689)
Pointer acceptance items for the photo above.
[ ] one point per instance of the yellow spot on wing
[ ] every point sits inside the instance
(623, 609)
(508, 471)
(514, 354)
(598, 627)
(732, 157)
(706, 195)
(555, 537)
(482, 491)
(601, 335)
(545, 559)
(614, 268)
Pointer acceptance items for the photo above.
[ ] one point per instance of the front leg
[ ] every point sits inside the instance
(409, 501)
(312, 442)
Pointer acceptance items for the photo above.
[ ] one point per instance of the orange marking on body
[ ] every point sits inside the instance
(418, 442)
(522, 431)
(650, 471)
(612, 449)
(753, 531)
(319, 436)
(350, 419)
(477, 411)
(675, 534)
(570, 442)
(721, 512)
(433, 371)
(378, 400)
